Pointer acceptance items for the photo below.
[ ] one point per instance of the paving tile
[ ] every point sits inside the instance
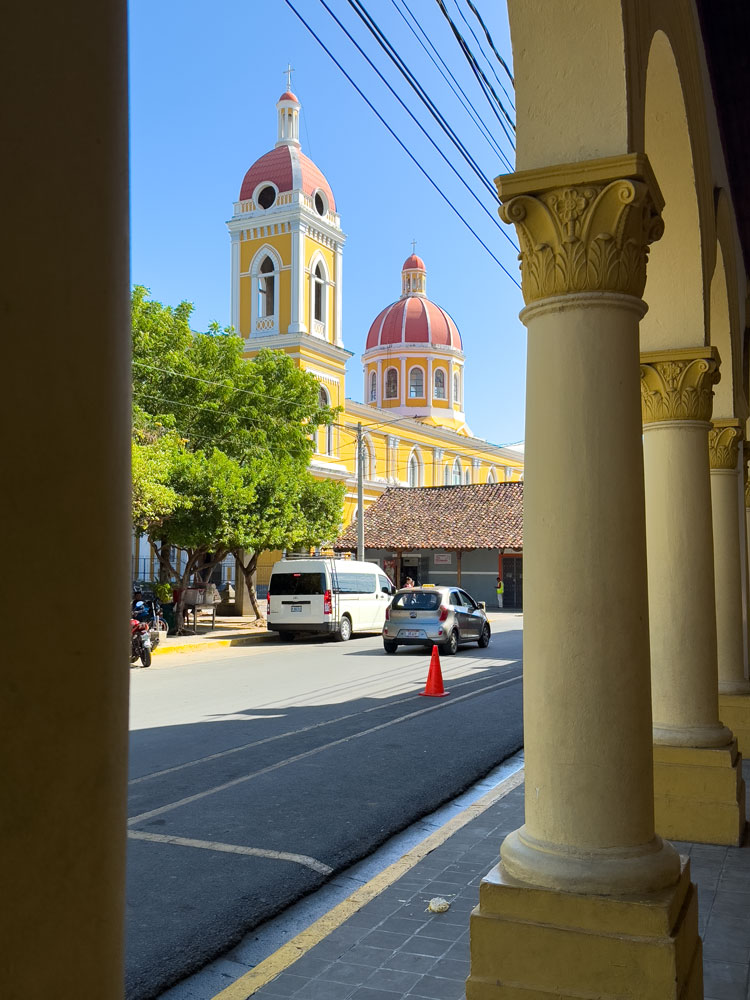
(408, 962)
(724, 980)
(362, 955)
(402, 925)
(367, 994)
(285, 985)
(448, 968)
(309, 965)
(441, 929)
(392, 979)
(321, 989)
(386, 939)
(343, 972)
(438, 989)
(425, 946)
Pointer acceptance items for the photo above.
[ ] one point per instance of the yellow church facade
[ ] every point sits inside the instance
(287, 284)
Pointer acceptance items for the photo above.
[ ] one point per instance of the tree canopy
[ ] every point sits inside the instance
(221, 445)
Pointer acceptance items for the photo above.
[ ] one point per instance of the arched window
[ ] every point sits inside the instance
(373, 387)
(439, 392)
(415, 468)
(416, 383)
(319, 284)
(446, 475)
(456, 387)
(457, 473)
(368, 458)
(491, 476)
(326, 435)
(467, 476)
(391, 384)
(266, 289)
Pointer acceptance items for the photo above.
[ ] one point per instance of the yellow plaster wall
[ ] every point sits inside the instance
(248, 249)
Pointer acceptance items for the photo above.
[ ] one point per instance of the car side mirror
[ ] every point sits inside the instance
(482, 605)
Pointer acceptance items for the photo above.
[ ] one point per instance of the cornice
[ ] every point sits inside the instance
(285, 341)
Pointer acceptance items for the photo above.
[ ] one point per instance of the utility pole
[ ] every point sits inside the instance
(360, 495)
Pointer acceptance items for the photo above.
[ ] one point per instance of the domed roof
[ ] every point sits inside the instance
(413, 263)
(290, 170)
(413, 320)
(289, 96)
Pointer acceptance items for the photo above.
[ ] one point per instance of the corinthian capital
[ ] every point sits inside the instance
(724, 440)
(583, 227)
(677, 385)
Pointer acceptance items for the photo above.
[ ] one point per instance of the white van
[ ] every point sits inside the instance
(324, 595)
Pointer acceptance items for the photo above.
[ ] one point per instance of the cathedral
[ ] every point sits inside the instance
(287, 294)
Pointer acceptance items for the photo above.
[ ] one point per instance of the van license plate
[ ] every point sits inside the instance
(297, 607)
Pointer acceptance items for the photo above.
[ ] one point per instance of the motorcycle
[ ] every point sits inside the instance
(140, 642)
(149, 611)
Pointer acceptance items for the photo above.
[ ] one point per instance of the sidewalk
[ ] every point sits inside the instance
(228, 631)
(382, 943)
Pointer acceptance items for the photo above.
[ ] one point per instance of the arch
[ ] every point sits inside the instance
(373, 387)
(674, 285)
(415, 467)
(265, 269)
(416, 382)
(368, 457)
(491, 475)
(467, 476)
(456, 472)
(457, 389)
(319, 285)
(724, 318)
(325, 436)
(391, 383)
(439, 383)
(447, 474)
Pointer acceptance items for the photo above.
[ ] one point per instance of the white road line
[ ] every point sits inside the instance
(290, 732)
(210, 845)
(160, 810)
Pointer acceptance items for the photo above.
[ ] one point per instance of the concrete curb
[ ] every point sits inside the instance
(194, 647)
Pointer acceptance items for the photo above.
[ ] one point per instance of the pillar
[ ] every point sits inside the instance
(587, 899)
(725, 440)
(66, 389)
(699, 794)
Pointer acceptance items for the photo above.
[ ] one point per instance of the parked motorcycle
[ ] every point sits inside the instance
(148, 610)
(140, 642)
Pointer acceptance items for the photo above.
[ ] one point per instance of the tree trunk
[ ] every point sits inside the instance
(248, 573)
(162, 554)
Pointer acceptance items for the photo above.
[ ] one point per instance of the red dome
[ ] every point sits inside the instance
(290, 170)
(413, 263)
(413, 320)
(289, 96)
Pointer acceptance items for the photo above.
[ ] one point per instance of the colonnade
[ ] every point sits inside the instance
(627, 736)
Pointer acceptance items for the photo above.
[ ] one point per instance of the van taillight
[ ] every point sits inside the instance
(268, 605)
(327, 610)
(388, 613)
(443, 614)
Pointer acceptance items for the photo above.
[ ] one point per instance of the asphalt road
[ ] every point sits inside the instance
(257, 773)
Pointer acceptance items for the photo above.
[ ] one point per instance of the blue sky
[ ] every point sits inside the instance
(204, 82)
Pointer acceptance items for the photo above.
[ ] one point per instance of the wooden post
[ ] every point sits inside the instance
(458, 566)
(399, 553)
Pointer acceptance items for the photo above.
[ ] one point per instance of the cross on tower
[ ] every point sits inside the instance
(289, 70)
(413, 246)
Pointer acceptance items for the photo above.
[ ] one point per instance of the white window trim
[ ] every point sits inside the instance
(436, 369)
(273, 327)
(415, 455)
(385, 382)
(316, 259)
(418, 368)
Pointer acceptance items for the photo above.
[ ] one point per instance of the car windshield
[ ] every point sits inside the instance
(417, 600)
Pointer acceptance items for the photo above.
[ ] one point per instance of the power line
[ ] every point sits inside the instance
(401, 144)
(478, 72)
(445, 72)
(500, 59)
(467, 157)
(481, 49)
(419, 90)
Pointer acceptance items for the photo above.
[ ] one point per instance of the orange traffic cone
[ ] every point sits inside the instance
(434, 686)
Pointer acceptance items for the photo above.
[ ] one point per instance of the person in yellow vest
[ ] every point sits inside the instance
(500, 591)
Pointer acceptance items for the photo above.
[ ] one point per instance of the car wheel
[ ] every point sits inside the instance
(344, 633)
(390, 646)
(484, 638)
(450, 646)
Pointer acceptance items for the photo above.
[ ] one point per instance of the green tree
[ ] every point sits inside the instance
(222, 445)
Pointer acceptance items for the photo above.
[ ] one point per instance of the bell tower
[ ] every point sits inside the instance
(287, 257)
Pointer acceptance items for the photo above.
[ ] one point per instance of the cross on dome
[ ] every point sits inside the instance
(288, 71)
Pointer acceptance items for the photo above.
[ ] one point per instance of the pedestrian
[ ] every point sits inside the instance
(409, 582)
(500, 588)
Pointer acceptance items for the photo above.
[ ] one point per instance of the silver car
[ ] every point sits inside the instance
(444, 616)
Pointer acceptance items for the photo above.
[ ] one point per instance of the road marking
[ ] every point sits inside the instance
(209, 845)
(249, 984)
(292, 732)
(160, 810)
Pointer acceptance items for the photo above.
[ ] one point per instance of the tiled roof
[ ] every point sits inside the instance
(484, 516)
(413, 319)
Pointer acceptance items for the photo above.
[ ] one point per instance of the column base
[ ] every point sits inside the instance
(529, 943)
(699, 794)
(734, 710)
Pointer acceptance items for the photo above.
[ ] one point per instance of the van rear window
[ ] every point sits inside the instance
(292, 584)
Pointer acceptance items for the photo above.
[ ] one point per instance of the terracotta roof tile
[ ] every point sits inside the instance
(483, 516)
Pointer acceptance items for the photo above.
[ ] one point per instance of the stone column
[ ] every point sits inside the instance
(66, 381)
(698, 787)
(589, 836)
(734, 691)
